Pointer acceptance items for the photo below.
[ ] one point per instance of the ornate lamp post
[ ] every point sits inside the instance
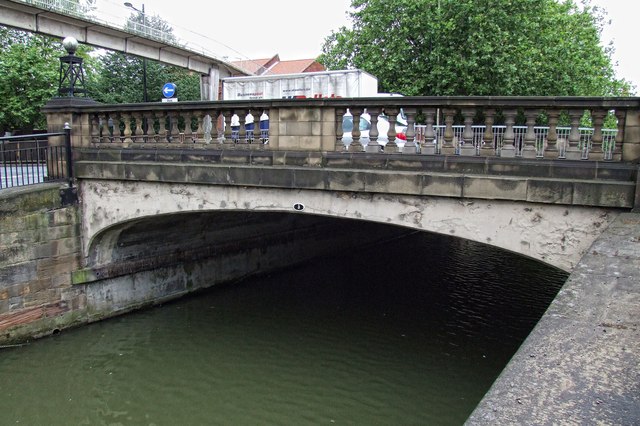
(71, 73)
(144, 60)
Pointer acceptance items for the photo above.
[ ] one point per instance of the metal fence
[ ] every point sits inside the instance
(541, 132)
(28, 160)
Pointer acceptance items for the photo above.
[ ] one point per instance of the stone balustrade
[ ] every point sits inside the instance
(596, 129)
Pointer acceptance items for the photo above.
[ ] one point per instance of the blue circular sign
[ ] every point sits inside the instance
(168, 90)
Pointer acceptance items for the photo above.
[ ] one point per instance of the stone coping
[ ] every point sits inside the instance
(570, 183)
(580, 363)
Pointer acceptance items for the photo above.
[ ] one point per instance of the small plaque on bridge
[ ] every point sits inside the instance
(298, 207)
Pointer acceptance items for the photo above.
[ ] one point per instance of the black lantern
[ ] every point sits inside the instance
(71, 72)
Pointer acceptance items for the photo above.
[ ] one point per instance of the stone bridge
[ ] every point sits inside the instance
(173, 197)
(481, 175)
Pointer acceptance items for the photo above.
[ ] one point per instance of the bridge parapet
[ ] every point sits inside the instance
(562, 128)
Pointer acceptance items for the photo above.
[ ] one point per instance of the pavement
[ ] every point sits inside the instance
(581, 363)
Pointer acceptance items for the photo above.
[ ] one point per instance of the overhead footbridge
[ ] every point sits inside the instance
(58, 20)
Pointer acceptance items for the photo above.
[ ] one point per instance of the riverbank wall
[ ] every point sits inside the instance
(47, 284)
(40, 247)
(580, 363)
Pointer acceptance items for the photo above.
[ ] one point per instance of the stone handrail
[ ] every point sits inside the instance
(468, 126)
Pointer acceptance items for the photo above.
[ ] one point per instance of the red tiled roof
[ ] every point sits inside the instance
(257, 66)
(296, 66)
(274, 65)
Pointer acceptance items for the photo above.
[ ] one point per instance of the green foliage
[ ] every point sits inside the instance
(29, 76)
(120, 77)
(477, 47)
(30, 63)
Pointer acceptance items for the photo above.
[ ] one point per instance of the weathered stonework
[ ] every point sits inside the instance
(555, 234)
(47, 283)
(580, 363)
(40, 246)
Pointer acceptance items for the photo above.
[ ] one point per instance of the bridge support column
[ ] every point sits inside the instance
(210, 85)
(631, 146)
(66, 110)
(636, 202)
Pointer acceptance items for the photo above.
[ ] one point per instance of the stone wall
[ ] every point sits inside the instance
(48, 283)
(40, 247)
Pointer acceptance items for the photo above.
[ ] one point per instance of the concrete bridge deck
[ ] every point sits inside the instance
(580, 363)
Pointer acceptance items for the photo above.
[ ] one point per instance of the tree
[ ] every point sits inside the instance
(28, 78)
(120, 80)
(120, 76)
(477, 47)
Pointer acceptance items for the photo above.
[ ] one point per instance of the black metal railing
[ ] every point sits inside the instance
(30, 159)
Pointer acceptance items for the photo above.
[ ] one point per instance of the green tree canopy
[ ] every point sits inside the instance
(28, 78)
(477, 47)
(120, 77)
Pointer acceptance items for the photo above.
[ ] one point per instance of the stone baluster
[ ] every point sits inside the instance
(573, 148)
(139, 133)
(596, 152)
(161, 135)
(264, 133)
(392, 116)
(148, 128)
(199, 136)
(208, 126)
(447, 147)
(228, 132)
(508, 149)
(189, 136)
(218, 125)
(126, 118)
(174, 131)
(467, 147)
(429, 146)
(529, 150)
(374, 145)
(253, 136)
(95, 128)
(616, 155)
(242, 132)
(410, 146)
(105, 135)
(356, 145)
(153, 127)
(195, 126)
(117, 133)
(551, 144)
(339, 130)
(488, 146)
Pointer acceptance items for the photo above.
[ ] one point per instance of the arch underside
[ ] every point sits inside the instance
(554, 234)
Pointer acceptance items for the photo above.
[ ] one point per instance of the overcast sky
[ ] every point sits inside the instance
(251, 29)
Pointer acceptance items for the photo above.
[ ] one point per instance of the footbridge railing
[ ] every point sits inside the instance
(562, 128)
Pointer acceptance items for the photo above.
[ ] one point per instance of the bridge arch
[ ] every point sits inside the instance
(554, 234)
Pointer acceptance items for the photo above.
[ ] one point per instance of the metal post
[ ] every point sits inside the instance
(68, 195)
(67, 145)
(144, 60)
(4, 165)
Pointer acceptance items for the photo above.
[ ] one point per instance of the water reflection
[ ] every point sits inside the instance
(410, 332)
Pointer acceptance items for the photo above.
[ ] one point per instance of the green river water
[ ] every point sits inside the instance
(411, 332)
